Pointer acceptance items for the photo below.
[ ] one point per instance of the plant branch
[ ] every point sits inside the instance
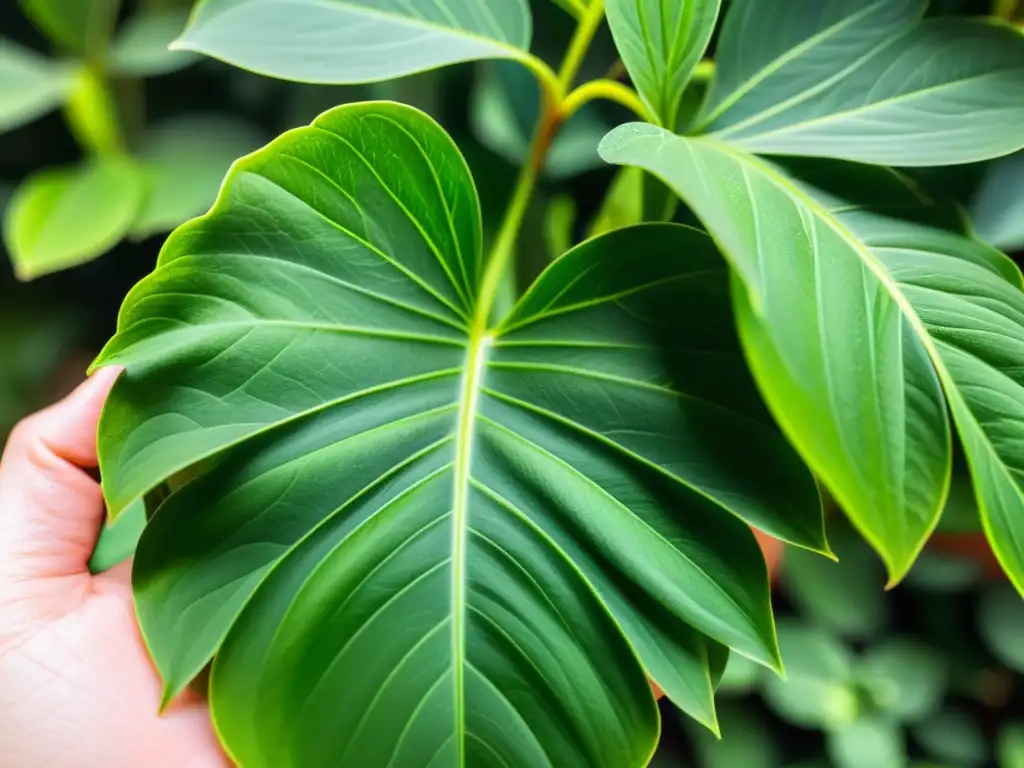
(552, 115)
(584, 35)
(605, 89)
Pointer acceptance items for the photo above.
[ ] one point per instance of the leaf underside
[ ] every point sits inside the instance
(356, 41)
(463, 535)
(861, 329)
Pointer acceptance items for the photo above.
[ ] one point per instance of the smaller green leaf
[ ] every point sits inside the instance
(904, 678)
(818, 691)
(504, 108)
(845, 597)
(661, 42)
(874, 742)
(60, 218)
(142, 45)
(357, 41)
(80, 26)
(997, 210)
(1001, 624)
(30, 85)
(746, 741)
(186, 158)
(118, 538)
(1011, 746)
(954, 737)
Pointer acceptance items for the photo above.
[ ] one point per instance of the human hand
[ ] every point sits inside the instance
(77, 688)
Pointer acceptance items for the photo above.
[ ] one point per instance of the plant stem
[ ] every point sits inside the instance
(505, 242)
(579, 45)
(551, 118)
(604, 89)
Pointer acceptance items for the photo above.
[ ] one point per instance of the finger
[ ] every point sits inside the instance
(51, 510)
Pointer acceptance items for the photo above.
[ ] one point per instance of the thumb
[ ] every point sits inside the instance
(51, 509)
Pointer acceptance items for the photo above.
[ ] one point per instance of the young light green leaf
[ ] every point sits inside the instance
(905, 679)
(950, 91)
(772, 53)
(660, 42)
(60, 218)
(141, 47)
(997, 208)
(324, 314)
(851, 320)
(185, 159)
(872, 741)
(79, 26)
(356, 41)
(30, 85)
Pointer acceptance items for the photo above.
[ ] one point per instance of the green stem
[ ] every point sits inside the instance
(552, 116)
(585, 31)
(505, 242)
(605, 89)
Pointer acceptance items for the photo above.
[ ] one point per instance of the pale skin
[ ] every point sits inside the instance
(77, 687)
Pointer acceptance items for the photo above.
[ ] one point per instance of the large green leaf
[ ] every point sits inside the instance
(356, 41)
(854, 324)
(660, 42)
(80, 26)
(326, 315)
(846, 79)
(30, 85)
(62, 217)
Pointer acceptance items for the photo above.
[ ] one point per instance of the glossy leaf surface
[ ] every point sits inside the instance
(853, 80)
(30, 85)
(63, 217)
(660, 42)
(508, 492)
(356, 41)
(855, 323)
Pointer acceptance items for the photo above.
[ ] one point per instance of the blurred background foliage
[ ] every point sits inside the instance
(108, 140)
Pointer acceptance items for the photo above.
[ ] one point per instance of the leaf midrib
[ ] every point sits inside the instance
(469, 401)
